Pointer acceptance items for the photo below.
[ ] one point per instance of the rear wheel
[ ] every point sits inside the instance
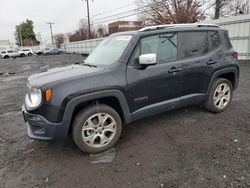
(6, 57)
(96, 128)
(22, 55)
(220, 96)
(29, 54)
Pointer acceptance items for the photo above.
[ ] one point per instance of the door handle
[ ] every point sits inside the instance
(211, 62)
(174, 69)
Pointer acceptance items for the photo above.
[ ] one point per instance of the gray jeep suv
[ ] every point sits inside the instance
(132, 75)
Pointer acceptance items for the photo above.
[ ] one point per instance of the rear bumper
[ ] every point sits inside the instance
(40, 128)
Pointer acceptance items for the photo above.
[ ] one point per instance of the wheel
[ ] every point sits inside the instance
(29, 54)
(96, 128)
(220, 96)
(6, 57)
(39, 53)
(22, 55)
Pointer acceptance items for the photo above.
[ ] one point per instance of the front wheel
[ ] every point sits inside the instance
(96, 128)
(220, 96)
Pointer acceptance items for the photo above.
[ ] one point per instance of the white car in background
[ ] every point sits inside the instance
(9, 53)
(25, 52)
(43, 51)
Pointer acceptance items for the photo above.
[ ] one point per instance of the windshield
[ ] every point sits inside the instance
(109, 51)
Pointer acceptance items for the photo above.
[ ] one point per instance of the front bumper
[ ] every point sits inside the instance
(40, 128)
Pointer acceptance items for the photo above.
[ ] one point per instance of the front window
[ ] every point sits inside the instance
(163, 45)
(109, 51)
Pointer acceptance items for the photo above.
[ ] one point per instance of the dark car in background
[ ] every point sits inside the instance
(54, 51)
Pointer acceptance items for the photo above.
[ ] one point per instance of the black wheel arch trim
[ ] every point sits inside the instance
(72, 104)
(220, 72)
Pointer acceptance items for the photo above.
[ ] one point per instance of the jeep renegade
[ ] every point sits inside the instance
(132, 75)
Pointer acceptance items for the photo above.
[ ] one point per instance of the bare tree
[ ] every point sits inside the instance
(172, 11)
(81, 33)
(220, 6)
(59, 39)
(230, 7)
(101, 31)
(240, 6)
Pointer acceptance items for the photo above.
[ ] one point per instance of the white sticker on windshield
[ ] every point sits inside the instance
(124, 37)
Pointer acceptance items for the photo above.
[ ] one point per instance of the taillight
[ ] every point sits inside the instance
(236, 55)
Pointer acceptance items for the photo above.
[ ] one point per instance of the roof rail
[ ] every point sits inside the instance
(176, 25)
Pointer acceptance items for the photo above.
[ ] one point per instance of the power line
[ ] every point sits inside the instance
(113, 10)
(116, 14)
(72, 5)
(133, 10)
(118, 18)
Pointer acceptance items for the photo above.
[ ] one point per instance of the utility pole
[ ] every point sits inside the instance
(88, 18)
(50, 24)
(39, 38)
(20, 37)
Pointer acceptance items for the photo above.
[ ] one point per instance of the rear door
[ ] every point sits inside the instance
(201, 53)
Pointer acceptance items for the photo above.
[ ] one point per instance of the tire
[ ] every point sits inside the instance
(220, 96)
(29, 54)
(90, 135)
(39, 53)
(6, 57)
(22, 55)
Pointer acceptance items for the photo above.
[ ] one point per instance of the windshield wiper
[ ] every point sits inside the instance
(86, 64)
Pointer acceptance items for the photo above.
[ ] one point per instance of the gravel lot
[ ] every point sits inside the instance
(188, 147)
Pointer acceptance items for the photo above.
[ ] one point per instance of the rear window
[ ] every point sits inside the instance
(26, 50)
(195, 43)
(3, 52)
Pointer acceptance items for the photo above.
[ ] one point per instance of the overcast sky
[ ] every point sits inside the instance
(65, 13)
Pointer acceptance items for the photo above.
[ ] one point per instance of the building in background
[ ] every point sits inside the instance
(4, 44)
(124, 26)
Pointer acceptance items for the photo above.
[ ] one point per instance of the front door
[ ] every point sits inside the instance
(155, 85)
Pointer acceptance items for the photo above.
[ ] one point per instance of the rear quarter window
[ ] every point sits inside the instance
(214, 39)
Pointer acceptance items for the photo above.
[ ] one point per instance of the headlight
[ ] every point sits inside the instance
(33, 98)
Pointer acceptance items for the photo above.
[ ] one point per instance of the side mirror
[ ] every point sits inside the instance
(147, 59)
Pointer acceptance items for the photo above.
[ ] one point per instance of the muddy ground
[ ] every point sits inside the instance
(188, 147)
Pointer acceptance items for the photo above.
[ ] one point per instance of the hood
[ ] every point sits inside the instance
(62, 73)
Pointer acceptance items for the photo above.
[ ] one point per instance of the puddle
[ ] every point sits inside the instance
(105, 157)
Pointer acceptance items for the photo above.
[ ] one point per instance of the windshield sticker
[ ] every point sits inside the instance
(124, 38)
